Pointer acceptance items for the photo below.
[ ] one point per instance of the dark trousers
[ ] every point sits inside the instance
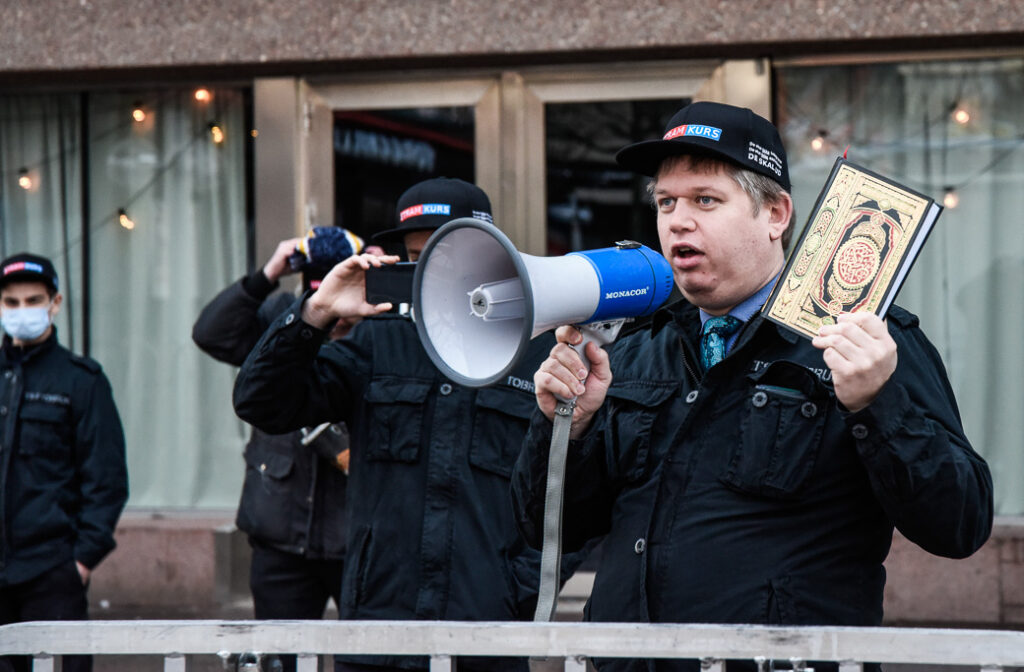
(55, 595)
(289, 586)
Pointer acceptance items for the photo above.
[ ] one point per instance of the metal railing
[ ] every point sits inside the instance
(988, 650)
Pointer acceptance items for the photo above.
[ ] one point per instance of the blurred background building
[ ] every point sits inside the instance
(159, 149)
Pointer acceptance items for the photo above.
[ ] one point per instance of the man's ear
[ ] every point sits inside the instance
(779, 214)
(58, 298)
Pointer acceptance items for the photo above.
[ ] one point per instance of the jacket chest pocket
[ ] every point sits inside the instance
(396, 419)
(44, 429)
(781, 424)
(631, 424)
(500, 421)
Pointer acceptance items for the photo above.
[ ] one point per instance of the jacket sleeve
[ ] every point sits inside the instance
(289, 381)
(931, 483)
(588, 490)
(102, 472)
(229, 326)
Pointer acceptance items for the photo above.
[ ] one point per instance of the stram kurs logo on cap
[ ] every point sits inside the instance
(23, 266)
(425, 209)
(697, 130)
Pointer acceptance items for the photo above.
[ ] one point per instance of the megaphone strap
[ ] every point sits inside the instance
(551, 550)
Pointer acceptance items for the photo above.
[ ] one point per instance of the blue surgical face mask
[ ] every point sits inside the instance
(25, 324)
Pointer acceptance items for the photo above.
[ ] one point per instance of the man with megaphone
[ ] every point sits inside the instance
(431, 533)
(742, 473)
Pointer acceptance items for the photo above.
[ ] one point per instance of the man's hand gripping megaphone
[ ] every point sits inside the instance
(578, 370)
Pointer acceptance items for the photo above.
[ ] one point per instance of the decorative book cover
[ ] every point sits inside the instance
(861, 238)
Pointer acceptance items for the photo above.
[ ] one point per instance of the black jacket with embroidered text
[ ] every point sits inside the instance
(748, 494)
(63, 477)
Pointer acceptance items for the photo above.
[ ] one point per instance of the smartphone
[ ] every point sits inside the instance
(391, 282)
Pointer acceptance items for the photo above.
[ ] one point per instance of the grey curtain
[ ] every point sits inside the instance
(186, 196)
(899, 119)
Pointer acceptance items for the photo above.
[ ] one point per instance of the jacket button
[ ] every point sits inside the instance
(860, 432)
(3, 410)
(263, 467)
(809, 409)
(640, 545)
(8, 374)
(446, 389)
(691, 396)
(759, 400)
(290, 318)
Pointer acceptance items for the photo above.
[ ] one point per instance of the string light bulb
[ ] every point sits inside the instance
(960, 114)
(216, 134)
(124, 220)
(138, 114)
(818, 143)
(951, 198)
(24, 179)
(203, 95)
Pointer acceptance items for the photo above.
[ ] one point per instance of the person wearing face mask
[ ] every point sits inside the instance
(63, 474)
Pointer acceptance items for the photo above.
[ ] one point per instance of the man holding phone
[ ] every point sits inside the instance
(431, 534)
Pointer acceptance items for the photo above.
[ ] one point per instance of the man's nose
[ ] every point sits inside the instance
(680, 219)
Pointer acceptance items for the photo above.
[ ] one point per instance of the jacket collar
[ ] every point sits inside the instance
(10, 353)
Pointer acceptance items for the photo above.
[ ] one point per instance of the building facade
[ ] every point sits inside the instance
(159, 150)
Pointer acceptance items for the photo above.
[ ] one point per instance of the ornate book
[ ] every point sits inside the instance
(861, 238)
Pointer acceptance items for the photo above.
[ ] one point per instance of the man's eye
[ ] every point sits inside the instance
(706, 201)
(666, 203)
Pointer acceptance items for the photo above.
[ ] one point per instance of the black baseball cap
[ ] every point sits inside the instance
(721, 131)
(28, 267)
(433, 203)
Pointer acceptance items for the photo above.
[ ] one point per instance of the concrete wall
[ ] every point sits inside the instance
(66, 35)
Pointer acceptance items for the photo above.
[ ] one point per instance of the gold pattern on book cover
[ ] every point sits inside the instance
(849, 257)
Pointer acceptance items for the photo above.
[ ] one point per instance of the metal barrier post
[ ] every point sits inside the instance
(306, 662)
(42, 663)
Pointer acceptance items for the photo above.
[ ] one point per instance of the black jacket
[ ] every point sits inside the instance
(293, 497)
(63, 477)
(749, 495)
(432, 534)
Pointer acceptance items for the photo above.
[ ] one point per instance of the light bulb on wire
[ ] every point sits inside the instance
(203, 95)
(24, 179)
(138, 114)
(124, 220)
(960, 114)
(951, 198)
(818, 143)
(216, 134)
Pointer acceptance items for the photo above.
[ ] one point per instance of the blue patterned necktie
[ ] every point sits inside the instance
(717, 331)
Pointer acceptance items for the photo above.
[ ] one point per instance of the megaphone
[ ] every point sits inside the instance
(479, 301)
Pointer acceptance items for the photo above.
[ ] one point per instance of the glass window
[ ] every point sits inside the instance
(164, 185)
(40, 193)
(953, 130)
(381, 153)
(592, 202)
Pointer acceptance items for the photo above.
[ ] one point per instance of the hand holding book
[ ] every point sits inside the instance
(862, 237)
